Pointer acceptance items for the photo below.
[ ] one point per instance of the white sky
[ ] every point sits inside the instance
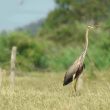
(15, 13)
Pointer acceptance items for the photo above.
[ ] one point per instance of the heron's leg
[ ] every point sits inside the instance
(73, 92)
(78, 84)
(75, 85)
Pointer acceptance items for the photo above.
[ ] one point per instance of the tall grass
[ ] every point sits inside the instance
(46, 92)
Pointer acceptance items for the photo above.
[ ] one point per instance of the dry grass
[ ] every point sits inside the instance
(45, 92)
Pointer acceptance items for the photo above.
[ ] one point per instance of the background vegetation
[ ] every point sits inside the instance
(59, 40)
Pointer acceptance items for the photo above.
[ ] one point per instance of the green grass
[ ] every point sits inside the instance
(45, 92)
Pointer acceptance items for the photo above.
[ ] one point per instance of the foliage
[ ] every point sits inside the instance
(85, 9)
(60, 39)
(30, 52)
(70, 11)
(56, 53)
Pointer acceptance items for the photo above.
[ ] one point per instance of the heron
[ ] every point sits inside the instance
(76, 69)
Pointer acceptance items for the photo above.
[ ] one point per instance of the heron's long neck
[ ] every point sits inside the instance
(86, 44)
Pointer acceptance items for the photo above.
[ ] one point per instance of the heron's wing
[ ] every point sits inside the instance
(67, 79)
(69, 74)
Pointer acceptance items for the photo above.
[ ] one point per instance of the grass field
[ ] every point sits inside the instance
(45, 92)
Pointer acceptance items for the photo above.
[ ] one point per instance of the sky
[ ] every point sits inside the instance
(17, 13)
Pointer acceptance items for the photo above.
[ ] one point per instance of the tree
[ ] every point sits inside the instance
(85, 10)
(69, 11)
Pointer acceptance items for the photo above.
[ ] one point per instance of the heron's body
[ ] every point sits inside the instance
(75, 70)
(77, 67)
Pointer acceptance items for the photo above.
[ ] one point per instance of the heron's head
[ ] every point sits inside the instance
(90, 27)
